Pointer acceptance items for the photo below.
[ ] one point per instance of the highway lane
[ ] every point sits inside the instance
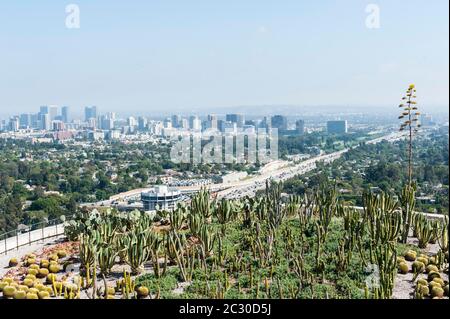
(251, 185)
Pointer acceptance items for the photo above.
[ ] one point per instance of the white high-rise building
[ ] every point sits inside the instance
(195, 123)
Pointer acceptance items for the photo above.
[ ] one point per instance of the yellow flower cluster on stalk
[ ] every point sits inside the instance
(410, 121)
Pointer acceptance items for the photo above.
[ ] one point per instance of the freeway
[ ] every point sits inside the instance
(282, 171)
(250, 186)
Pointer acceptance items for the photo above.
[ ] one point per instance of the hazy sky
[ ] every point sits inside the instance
(161, 54)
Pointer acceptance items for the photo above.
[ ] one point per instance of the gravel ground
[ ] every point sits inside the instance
(403, 284)
(24, 250)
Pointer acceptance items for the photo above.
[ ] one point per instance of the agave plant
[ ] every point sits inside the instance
(410, 122)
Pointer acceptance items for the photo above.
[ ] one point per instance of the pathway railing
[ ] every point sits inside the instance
(38, 232)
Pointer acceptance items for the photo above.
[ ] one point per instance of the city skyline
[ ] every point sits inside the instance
(180, 57)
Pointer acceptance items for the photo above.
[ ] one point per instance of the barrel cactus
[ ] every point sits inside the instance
(23, 288)
(32, 296)
(54, 268)
(423, 260)
(44, 295)
(28, 282)
(32, 271)
(433, 274)
(43, 272)
(418, 267)
(403, 268)
(30, 261)
(9, 291)
(34, 266)
(13, 262)
(19, 294)
(44, 263)
(423, 290)
(411, 255)
(431, 268)
(437, 292)
(439, 281)
(142, 292)
(3, 284)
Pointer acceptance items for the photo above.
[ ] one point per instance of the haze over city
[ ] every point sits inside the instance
(174, 56)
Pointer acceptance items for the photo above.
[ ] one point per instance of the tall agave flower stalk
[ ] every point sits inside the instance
(410, 118)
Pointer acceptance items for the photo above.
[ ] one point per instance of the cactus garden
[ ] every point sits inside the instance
(270, 246)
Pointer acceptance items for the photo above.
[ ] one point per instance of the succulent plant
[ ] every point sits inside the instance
(142, 292)
(13, 262)
(433, 284)
(34, 266)
(43, 294)
(423, 260)
(28, 282)
(433, 274)
(50, 278)
(33, 291)
(32, 296)
(44, 263)
(33, 272)
(43, 272)
(403, 268)
(418, 267)
(410, 255)
(54, 268)
(422, 282)
(20, 294)
(439, 281)
(23, 288)
(431, 268)
(423, 290)
(9, 291)
(437, 292)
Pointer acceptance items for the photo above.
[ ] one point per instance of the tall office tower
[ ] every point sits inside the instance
(131, 122)
(337, 127)
(236, 118)
(142, 123)
(184, 124)
(65, 114)
(176, 121)
(195, 123)
(53, 112)
(212, 122)
(106, 122)
(43, 110)
(14, 124)
(45, 122)
(25, 120)
(90, 112)
(300, 127)
(167, 123)
(265, 123)
(92, 123)
(34, 121)
(279, 122)
(2, 125)
(228, 127)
